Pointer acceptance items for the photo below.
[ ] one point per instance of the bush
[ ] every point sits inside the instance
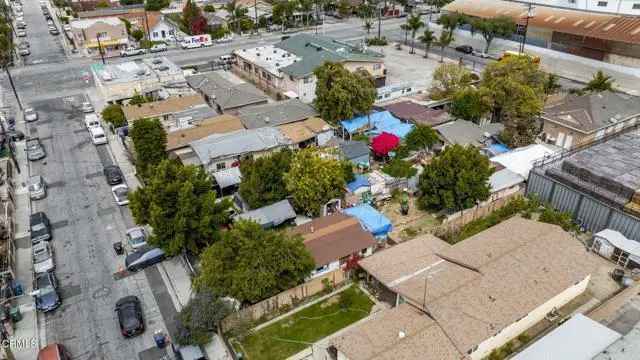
(563, 219)
(327, 286)
(399, 168)
(209, 8)
(376, 41)
(114, 115)
(64, 19)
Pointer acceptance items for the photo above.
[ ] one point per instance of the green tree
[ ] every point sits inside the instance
(102, 5)
(449, 79)
(138, 98)
(200, 317)
(551, 84)
(599, 83)
(502, 26)
(455, 180)
(305, 7)
(399, 168)
(190, 12)
(127, 25)
(283, 11)
(421, 138)
(137, 34)
(236, 13)
(366, 12)
(344, 8)
(179, 203)
(150, 143)
(209, 8)
(250, 263)
(114, 115)
(445, 39)
(427, 39)
(470, 104)
(313, 181)
(347, 171)
(156, 5)
(451, 21)
(415, 23)
(341, 94)
(263, 179)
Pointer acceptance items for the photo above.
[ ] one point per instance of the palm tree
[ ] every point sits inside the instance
(405, 27)
(414, 23)
(445, 39)
(600, 82)
(365, 12)
(427, 39)
(235, 14)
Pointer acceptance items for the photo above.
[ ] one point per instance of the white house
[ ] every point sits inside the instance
(162, 31)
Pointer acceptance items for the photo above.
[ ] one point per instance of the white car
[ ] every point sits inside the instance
(136, 237)
(42, 257)
(91, 120)
(87, 107)
(66, 27)
(98, 136)
(121, 194)
(131, 52)
(158, 48)
(21, 33)
(30, 115)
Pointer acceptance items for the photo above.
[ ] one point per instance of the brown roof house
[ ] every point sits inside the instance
(332, 240)
(310, 132)
(175, 113)
(464, 300)
(570, 120)
(111, 30)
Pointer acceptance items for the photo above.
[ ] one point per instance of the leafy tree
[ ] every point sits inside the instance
(137, 34)
(138, 98)
(421, 138)
(599, 83)
(236, 13)
(470, 104)
(156, 5)
(130, 2)
(114, 115)
(305, 7)
(415, 23)
(150, 142)
(190, 12)
(451, 21)
(200, 317)
(344, 8)
(263, 179)
(219, 32)
(347, 171)
(102, 5)
(449, 79)
(283, 11)
(399, 168)
(366, 12)
(127, 25)
(209, 8)
(199, 25)
(502, 26)
(551, 84)
(341, 94)
(250, 263)
(313, 181)
(445, 39)
(455, 180)
(427, 39)
(178, 202)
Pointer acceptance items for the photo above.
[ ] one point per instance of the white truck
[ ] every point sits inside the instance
(196, 41)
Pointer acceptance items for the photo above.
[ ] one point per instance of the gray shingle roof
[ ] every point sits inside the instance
(464, 132)
(315, 50)
(238, 142)
(224, 93)
(270, 215)
(354, 149)
(275, 114)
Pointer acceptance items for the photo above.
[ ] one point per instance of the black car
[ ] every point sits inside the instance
(130, 316)
(47, 298)
(143, 256)
(113, 174)
(40, 227)
(467, 49)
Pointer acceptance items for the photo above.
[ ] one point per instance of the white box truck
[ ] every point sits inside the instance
(196, 41)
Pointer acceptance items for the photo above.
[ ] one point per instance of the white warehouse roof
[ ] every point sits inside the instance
(521, 160)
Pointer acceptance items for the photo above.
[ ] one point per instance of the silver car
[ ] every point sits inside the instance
(35, 150)
(30, 114)
(87, 107)
(42, 257)
(136, 237)
(37, 188)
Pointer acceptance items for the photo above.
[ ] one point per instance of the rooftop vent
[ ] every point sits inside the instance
(401, 334)
(266, 119)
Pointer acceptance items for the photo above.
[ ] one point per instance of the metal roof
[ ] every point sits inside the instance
(275, 114)
(238, 142)
(270, 215)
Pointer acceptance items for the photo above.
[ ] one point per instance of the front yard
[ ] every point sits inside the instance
(298, 331)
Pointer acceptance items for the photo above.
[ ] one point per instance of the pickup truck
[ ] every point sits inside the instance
(131, 52)
(35, 150)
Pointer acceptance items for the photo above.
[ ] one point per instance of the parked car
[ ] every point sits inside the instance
(24, 44)
(50, 23)
(87, 107)
(98, 137)
(37, 188)
(21, 25)
(466, 49)
(46, 287)
(131, 51)
(30, 114)
(42, 257)
(66, 27)
(136, 237)
(24, 51)
(130, 318)
(40, 227)
(54, 31)
(158, 48)
(113, 174)
(35, 150)
(91, 120)
(121, 194)
(143, 257)
(54, 352)
(21, 33)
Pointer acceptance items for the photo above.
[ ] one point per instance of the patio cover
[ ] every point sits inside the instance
(228, 177)
(371, 219)
(384, 143)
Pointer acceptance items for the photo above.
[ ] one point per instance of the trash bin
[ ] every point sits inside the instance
(118, 248)
(160, 339)
(15, 314)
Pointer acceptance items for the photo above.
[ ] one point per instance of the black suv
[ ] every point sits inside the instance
(113, 174)
(467, 49)
(40, 227)
(130, 318)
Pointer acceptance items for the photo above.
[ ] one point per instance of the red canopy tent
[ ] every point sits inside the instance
(384, 143)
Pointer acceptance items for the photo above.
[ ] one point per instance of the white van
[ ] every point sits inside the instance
(98, 135)
(91, 121)
(196, 41)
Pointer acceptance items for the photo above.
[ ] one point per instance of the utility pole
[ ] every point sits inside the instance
(100, 49)
(146, 20)
(529, 15)
(380, 8)
(255, 11)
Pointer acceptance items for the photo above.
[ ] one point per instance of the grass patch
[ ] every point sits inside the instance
(296, 332)
(399, 169)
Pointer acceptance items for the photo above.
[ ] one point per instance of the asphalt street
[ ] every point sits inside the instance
(86, 222)
(45, 48)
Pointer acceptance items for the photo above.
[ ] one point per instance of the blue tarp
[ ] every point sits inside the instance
(371, 219)
(382, 121)
(360, 181)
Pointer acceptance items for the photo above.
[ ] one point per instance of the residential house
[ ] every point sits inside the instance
(571, 120)
(224, 95)
(463, 301)
(174, 113)
(162, 30)
(310, 132)
(463, 132)
(154, 77)
(333, 240)
(286, 68)
(418, 114)
(180, 139)
(275, 114)
(269, 216)
(215, 20)
(110, 34)
(217, 152)
(356, 152)
(134, 14)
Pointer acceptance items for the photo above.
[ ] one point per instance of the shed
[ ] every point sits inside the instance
(615, 246)
(371, 219)
(271, 215)
(228, 177)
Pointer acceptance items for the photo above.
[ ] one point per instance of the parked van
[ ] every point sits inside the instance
(54, 352)
(192, 42)
(97, 135)
(91, 120)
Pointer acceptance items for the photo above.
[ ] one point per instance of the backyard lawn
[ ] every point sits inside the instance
(294, 333)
